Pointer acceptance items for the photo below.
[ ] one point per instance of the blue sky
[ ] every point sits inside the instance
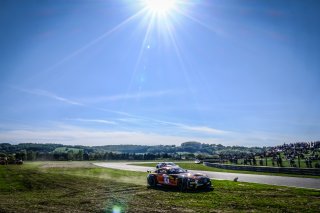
(117, 72)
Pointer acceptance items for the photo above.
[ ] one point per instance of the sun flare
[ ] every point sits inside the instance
(160, 6)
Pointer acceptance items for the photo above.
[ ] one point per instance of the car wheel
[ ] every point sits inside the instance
(182, 184)
(209, 187)
(152, 181)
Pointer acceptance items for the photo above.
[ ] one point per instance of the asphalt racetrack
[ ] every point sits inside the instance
(312, 183)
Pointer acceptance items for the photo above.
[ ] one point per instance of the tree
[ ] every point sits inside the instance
(22, 155)
(70, 155)
(254, 161)
(280, 161)
(11, 159)
(191, 146)
(261, 162)
(31, 155)
(86, 156)
(79, 155)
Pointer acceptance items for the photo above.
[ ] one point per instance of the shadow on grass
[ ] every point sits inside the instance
(176, 189)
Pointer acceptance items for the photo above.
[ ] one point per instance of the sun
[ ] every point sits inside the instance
(160, 6)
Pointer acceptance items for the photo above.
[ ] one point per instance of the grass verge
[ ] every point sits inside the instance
(86, 188)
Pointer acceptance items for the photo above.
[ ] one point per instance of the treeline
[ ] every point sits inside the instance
(80, 155)
(187, 147)
(187, 150)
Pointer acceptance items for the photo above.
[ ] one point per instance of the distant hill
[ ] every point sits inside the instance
(187, 150)
(189, 147)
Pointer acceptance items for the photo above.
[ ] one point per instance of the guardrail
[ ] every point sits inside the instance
(287, 170)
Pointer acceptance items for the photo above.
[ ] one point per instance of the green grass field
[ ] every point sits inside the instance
(193, 166)
(65, 149)
(82, 187)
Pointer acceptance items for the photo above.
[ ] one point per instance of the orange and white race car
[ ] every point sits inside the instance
(178, 177)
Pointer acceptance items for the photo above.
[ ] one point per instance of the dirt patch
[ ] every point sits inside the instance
(70, 164)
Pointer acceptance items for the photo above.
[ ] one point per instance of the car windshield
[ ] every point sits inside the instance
(176, 171)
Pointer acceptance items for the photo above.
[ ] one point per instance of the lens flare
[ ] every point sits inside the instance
(116, 209)
(160, 6)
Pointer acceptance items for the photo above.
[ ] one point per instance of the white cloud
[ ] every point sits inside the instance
(204, 129)
(51, 95)
(128, 96)
(200, 129)
(93, 120)
(47, 94)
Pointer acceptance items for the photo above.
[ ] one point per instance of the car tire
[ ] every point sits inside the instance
(152, 181)
(179, 184)
(209, 187)
(183, 184)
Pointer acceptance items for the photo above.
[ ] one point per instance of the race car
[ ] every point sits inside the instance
(164, 164)
(178, 177)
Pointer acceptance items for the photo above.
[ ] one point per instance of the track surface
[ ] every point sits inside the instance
(312, 183)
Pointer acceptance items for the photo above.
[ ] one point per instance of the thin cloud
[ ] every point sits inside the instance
(200, 129)
(48, 94)
(140, 95)
(129, 120)
(45, 93)
(132, 118)
(93, 121)
(204, 129)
